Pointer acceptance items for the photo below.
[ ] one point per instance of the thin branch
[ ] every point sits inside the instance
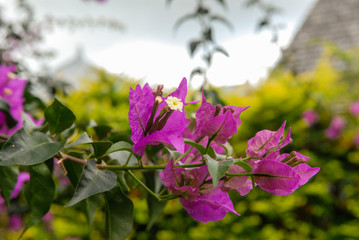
(144, 186)
(73, 159)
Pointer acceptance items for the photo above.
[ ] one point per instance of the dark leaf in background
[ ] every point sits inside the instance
(223, 3)
(93, 203)
(221, 50)
(208, 34)
(92, 181)
(196, 71)
(222, 20)
(8, 179)
(59, 117)
(83, 139)
(208, 58)
(39, 193)
(28, 149)
(193, 45)
(119, 214)
(183, 19)
(100, 148)
(102, 132)
(155, 207)
(74, 171)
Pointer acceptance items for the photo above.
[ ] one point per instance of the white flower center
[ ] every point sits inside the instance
(7, 92)
(174, 103)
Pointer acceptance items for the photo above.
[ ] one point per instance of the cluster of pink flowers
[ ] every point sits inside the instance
(155, 119)
(12, 91)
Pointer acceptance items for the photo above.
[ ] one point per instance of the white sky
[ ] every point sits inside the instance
(149, 48)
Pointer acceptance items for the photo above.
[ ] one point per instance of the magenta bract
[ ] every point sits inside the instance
(12, 91)
(202, 202)
(266, 141)
(142, 101)
(284, 174)
(217, 122)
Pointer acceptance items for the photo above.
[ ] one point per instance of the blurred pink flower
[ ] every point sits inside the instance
(354, 108)
(310, 117)
(15, 222)
(12, 91)
(21, 179)
(356, 140)
(336, 128)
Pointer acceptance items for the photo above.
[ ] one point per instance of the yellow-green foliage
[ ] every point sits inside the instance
(104, 100)
(325, 208)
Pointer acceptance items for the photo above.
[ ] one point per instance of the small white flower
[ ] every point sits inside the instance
(174, 103)
(7, 92)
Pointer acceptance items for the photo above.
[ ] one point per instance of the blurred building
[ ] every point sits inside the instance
(76, 69)
(335, 21)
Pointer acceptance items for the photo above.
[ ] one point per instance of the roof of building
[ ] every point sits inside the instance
(330, 20)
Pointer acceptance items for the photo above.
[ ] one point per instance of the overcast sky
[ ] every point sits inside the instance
(149, 48)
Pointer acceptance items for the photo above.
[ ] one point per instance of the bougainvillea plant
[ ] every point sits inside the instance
(191, 157)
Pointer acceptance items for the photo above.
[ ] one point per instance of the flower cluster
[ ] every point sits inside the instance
(204, 174)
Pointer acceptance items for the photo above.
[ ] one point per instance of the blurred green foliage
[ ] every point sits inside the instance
(325, 208)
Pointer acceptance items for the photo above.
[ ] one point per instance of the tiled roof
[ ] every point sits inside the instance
(336, 21)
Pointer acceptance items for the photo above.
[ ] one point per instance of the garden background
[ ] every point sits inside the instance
(321, 106)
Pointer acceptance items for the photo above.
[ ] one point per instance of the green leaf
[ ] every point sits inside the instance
(39, 193)
(5, 109)
(222, 20)
(217, 169)
(183, 19)
(227, 149)
(221, 50)
(155, 207)
(27, 122)
(119, 146)
(100, 148)
(74, 171)
(8, 180)
(102, 131)
(212, 153)
(119, 218)
(193, 45)
(92, 181)
(59, 117)
(197, 71)
(83, 139)
(93, 203)
(198, 146)
(24, 148)
(243, 165)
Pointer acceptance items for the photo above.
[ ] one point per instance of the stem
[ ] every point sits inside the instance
(128, 159)
(145, 167)
(184, 155)
(136, 167)
(73, 159)
(169, 197)
(143, 185)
